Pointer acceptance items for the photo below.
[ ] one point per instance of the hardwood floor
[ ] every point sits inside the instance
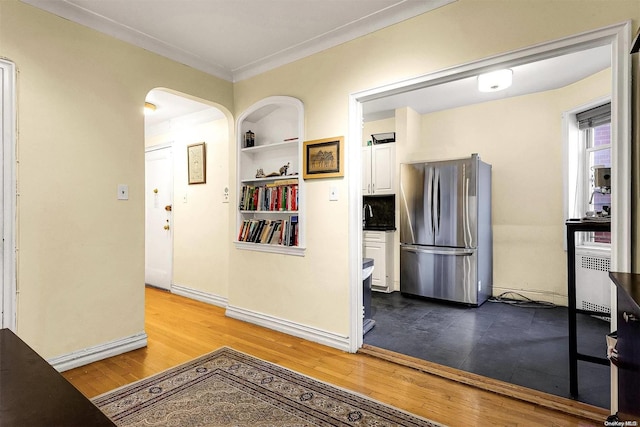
(181, 329)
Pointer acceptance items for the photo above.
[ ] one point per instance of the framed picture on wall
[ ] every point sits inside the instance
(323, 158)
(197, 163)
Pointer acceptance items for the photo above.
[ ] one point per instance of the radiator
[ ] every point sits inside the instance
(593, 287)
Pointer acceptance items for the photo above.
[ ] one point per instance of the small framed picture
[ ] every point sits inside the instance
(323, 158)
(197, 163)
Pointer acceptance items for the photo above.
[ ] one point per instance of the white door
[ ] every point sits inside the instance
(158, 217)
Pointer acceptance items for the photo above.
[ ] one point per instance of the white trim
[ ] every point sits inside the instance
(197, 295)
(354, 160)
(98, 352)
(621, 150)
(618, 36)
(8, 287)
(330, 339)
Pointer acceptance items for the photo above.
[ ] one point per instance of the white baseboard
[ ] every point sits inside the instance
(199, 295)
(290, 328)
(98, 352)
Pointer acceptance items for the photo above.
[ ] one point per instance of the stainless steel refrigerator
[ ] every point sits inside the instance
(446, 242)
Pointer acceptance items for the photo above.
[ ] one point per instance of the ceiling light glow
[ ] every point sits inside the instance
(495, 80)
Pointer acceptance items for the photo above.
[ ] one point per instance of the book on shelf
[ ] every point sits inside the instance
(283, 232)
(269, 197)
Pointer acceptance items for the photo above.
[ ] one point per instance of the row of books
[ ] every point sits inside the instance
(276, 196)
(282, 232)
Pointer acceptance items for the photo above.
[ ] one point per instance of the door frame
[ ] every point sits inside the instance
(8, 287)
(163, 146)
(618, 37)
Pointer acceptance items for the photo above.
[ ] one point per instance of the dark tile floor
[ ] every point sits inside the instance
(524, 346)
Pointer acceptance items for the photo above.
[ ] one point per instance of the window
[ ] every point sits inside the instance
(592, 157)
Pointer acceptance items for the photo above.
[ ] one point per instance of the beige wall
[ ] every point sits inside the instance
(81, 252)
(80, 93)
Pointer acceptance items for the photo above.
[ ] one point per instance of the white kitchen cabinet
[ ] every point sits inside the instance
(379, 246)
(378, 169)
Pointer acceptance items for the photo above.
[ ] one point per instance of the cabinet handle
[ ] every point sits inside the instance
(628, 317)
(373, 187)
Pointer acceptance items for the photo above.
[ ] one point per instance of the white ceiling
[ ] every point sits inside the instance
(236, 39)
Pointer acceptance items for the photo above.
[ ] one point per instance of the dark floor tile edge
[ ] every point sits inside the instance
(546, 400)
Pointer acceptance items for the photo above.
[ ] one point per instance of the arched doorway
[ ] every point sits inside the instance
(187, 222)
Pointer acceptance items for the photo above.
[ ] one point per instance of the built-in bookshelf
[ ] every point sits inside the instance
(270, 191)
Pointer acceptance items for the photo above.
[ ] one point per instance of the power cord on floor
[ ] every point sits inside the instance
(520, 301)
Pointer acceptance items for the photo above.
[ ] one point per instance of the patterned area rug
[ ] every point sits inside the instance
(229, 388)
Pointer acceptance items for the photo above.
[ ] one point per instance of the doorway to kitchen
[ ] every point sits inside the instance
(515, 234)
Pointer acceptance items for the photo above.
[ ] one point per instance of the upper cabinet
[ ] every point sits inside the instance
(378, 169)
(270, 191)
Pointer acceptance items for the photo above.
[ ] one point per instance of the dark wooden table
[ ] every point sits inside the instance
(574, 226)
(34, 394)
(627, 358)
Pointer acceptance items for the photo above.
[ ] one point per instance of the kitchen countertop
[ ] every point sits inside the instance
(374, 228)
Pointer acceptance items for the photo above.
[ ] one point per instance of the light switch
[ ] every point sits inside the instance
(333, 193)
(123, 192)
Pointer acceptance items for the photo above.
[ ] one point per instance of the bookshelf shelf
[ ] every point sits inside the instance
(266, 212)
(277, 249)
(268, 179)
(271, 147)
(270, 209)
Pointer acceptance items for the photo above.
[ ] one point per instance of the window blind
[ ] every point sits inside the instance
(594, 117)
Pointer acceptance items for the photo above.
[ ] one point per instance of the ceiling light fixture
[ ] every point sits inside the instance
(495, 80)
(149, 108)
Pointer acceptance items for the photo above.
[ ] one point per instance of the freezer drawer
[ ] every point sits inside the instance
(443, 273)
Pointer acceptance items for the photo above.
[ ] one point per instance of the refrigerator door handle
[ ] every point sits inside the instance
(436, 202)
(468, 237)
(437, 251)
(430, 199)
(466, 223)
